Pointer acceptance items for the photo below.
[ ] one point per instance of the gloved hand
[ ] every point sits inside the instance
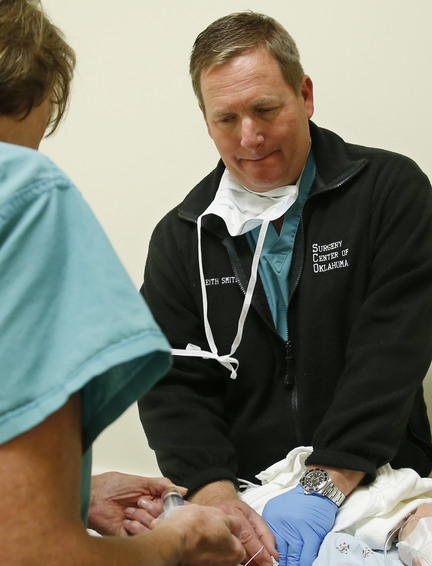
(299, 523)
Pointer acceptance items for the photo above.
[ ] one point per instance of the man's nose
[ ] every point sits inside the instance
(251, 134)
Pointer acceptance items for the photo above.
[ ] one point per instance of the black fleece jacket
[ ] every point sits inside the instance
(349, 380)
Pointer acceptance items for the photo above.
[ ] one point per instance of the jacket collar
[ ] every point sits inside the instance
(336, 161)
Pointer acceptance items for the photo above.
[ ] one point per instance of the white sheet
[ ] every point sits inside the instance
(367, 515)
(341, 549)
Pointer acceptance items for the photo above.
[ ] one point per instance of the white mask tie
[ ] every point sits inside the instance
(227, 360)
(242, 210)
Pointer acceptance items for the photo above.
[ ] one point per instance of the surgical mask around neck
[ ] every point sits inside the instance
(416, 548)
(243, 210)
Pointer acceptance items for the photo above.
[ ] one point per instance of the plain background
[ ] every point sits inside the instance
(135, 143)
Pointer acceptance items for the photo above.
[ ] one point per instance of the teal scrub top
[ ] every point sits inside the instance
(71, 318)
(276, 255)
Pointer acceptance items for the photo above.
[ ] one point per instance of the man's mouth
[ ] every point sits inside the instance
(258, 158)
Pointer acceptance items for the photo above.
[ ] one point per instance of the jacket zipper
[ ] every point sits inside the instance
(290, 378)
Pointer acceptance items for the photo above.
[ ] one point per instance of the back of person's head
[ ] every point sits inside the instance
(35, 61)
(236, 33)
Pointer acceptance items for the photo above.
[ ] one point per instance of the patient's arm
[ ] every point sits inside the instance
(423, 510)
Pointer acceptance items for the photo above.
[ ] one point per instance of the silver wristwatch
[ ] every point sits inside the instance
(317, 480)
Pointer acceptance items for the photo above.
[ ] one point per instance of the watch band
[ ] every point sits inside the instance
(333, 493)
(317, 480)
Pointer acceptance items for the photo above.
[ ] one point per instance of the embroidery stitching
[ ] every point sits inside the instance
(326, 257)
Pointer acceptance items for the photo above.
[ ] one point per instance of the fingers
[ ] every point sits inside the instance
(282, 547)
(209, 537)
(156, 486)
(254, 533)
(308, 554)
(255, 548)
(253, 544)
(151, 507)
(125, 489)
(134, 527)
(264, 533)
(234, 525)
(138, 520)
(294, 554)
(238, 551)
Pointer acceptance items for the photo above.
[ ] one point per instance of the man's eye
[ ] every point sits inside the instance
(267, 110)
(226, 119)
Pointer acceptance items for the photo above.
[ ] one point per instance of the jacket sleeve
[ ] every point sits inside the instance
(183, 414)
(378, 410)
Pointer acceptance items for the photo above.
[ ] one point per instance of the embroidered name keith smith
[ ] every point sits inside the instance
(221, 280)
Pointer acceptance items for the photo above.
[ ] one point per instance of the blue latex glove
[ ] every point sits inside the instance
(299, 523)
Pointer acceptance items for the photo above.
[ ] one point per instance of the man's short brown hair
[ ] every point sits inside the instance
(236, 33)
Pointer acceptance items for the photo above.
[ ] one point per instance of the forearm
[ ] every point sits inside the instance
(388, 342)
(194, 536)
(153, 547)
(184, 414)
(214, 493)
(69, 550)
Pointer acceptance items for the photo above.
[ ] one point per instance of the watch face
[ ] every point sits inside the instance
(314, 480)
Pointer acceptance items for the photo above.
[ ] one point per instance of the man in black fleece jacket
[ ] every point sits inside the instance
(337, 340)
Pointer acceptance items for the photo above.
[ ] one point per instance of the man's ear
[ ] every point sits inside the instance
(307, 95)
(204, 116)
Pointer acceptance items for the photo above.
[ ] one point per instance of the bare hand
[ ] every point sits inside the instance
(207, 536)
(139, 519)
(113, 493)
(254, 532)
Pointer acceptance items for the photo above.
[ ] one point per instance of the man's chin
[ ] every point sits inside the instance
(262, 183)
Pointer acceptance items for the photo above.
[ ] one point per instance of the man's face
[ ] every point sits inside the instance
(258, 123)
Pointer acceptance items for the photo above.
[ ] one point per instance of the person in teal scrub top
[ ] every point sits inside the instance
(78, 344)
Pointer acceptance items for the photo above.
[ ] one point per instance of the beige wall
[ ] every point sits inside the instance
(134, 141)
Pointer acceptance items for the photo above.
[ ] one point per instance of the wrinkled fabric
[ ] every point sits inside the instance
(369, 513)
(418, 544)
(71, 318)
(341, 549)
(243, 210)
